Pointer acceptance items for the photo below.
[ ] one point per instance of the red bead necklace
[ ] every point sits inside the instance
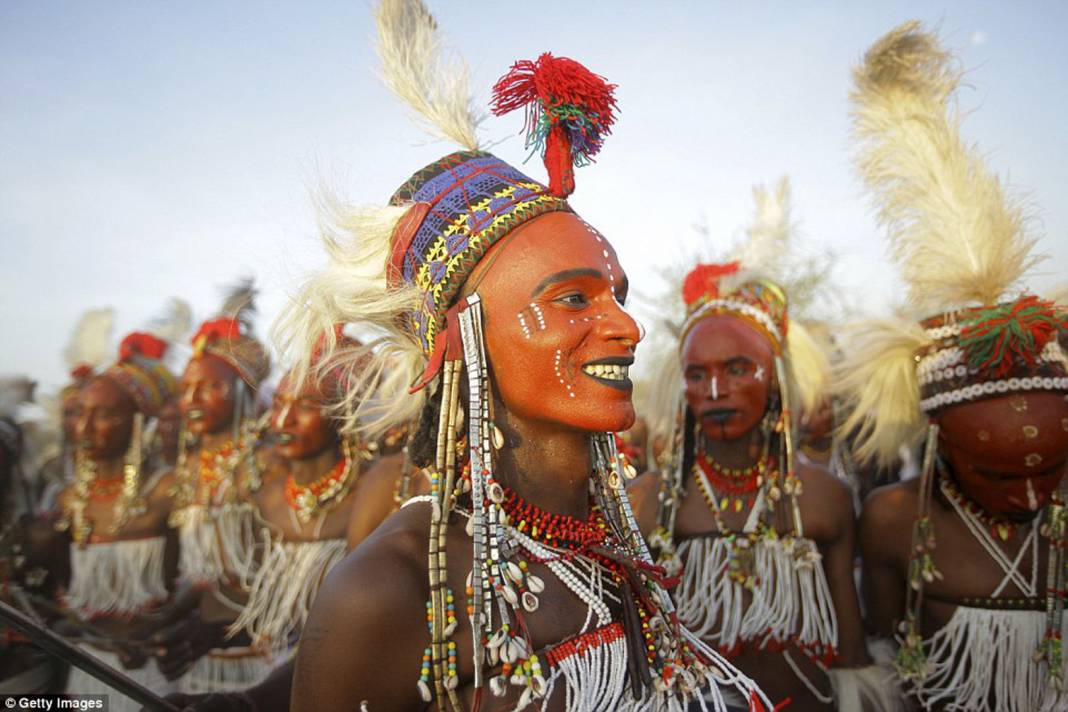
(556, 530)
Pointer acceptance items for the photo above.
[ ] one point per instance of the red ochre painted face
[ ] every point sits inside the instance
(299, 424)
(169, 425)
(105, 420)
(1007, 453)
(727, 371)
(207, 394)
(559, 342)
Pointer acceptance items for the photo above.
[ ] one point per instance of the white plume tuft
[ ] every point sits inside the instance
(91, 341)
(352, 289)
(957, 237)
(417, 69)
(175, 323)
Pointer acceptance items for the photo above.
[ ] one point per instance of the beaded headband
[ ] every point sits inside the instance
(469, 200)
(141, 373)
(224, 339)
(759, 302)
(990, 351)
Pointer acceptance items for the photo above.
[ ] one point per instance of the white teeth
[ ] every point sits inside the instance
(607, 371)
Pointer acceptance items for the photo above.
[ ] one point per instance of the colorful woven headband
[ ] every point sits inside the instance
(224, 339)
(142, 375)
(990, 351)
(759, 302)
(464, 203)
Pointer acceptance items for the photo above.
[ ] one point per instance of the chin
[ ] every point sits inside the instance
(728, 433)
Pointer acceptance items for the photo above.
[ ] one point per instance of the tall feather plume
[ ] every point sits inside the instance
(239, 301)
(90, 342)
(353, 289)
(174, 324)
(958, 238)
(768, 236)
(877, 381)
(422, 74)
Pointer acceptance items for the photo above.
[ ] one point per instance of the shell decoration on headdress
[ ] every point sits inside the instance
(962, 245)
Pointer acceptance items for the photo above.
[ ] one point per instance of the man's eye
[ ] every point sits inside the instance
(695, 377)
(574, 299)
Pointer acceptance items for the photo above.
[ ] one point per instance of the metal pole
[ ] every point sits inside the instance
(61, 648)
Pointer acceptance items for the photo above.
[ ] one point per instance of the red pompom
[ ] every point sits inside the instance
(703, 281)
(141, 344)
(569, 111)
(81, 372)
(218, 330)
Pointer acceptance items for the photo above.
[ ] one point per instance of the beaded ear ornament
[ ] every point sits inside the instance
(511, 536)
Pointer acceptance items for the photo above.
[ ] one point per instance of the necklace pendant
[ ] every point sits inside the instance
(1003, 531)
(738, 505)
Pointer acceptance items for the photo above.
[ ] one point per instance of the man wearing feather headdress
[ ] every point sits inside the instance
(216, 473)
(521, 581)
(975, 601)
(121, 555)
(762, 543)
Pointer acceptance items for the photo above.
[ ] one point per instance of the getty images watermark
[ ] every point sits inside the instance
(48, 703)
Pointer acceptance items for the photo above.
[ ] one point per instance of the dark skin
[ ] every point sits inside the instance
(724, 347)
(103, 432)
(168, 428)
(365, 637)
(987, 469)
(198, 619)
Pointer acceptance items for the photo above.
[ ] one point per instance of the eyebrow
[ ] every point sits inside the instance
(563, 277)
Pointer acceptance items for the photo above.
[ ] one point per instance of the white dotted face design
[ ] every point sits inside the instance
(604, 252)
(530, 319)
(759, 375)
(558, 369)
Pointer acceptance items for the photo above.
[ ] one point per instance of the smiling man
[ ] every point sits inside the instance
(521, 581)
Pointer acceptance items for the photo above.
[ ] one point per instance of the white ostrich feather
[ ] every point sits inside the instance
(422, 74)
(958, 238)
(90, 342)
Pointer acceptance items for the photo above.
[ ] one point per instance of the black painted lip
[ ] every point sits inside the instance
(718, 415)
(624, 384)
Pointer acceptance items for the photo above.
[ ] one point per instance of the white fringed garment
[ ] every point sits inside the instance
(594, 678)
(214, 542)
(225, 670)
(117, 578)
(983, 661)
(82, 683)
(284, 587)
(790, 602)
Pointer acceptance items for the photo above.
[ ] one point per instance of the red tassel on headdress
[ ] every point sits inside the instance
(141, 344)
(81, 372)
(703, 281)
(568, 113)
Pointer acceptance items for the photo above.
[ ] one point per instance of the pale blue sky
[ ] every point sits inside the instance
(152, 149)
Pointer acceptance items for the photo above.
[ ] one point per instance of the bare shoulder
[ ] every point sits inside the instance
(826, 503)
(367, 629)
(644, 492)
(887, 517)
(161, 489)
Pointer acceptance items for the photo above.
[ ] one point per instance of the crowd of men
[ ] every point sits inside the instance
(472, 510)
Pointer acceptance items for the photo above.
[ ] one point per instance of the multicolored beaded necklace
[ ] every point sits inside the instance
(740, 484)
(321, 495)
(215, 466)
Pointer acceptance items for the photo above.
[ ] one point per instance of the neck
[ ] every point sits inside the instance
(210, 441)
(309, 469)
(545, 464)
(108, 469)
(739, 453)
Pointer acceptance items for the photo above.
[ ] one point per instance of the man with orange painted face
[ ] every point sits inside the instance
(122, 557)
(763, 543)
(974, 598)
(87, 350)
(521, 580)
(216, 473)
(316, 479)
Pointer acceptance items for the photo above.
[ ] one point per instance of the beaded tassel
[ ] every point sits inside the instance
(911, 658)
